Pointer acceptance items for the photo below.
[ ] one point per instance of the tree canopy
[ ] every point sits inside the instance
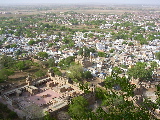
(56, 71)
(157, 55)
(102, 54)
(75, 72)
(140, 71)
(31, 42)
(67, 62)
(43, 54)
(117, 102)
(6, 61)
(4, 73)
(78, 108)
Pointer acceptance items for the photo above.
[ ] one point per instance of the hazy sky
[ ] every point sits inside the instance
(156, 2)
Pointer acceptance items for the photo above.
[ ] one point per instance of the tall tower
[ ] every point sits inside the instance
(93, 88)
(29, 80)
(83, 53)
(51, 73)
(90, 57)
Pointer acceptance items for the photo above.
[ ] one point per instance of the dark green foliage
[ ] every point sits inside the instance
(43, 54)
(124, 66)
(120, 83)
(75, 72)
(56, 71)
(140, 71)
(74, 21)
(116, 70)
(48, 117)
(13, 46)
(78, 109)
(141, 38)
(124, 42)
(84, 87)
(120, 35)
(130, 44)
(51, 62)
(12, 115)
(18, 52)
(22, 65)
(31, 42)
(116, 103)
(111, 50)
(40, 73)
(153, 65)
(102, 54)
(6, 114)
(4, 73)
(50, 44)
(6, 61)
(157, 55)
(64, 63)
(151, 37)
(87, 74)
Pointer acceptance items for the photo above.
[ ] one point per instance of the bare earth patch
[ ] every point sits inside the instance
(18, 75)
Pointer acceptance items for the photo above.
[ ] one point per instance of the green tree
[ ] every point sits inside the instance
(75, 72)
(111, 50)
(90, 35)
(18, 52)
(43, 54)
(157, 55)
(4, 73)
(6, 61)
(116, 70)
(50, 44)
(153, 65)
(57, 71)
(13, 46)
(56, 39)
(116, 102)
(140, 71)
(51, 62)
(130, 44)
(101, 54)
(67, 62)
(78, 108)
(31, 42)
(20, 65)
(40, 73)
(12, 115)
(87, 75)
(48, 117)
(124, 42)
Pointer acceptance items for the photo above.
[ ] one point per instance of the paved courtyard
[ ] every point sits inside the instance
(44, 97)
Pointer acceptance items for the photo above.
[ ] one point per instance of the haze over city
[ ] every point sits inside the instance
(79, 59)
(154, 2)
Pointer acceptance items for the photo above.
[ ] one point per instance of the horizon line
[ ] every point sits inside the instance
(89, 3)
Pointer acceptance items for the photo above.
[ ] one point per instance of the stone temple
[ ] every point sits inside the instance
(50, 93)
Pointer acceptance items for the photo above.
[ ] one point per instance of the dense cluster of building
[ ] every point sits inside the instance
(52, 93)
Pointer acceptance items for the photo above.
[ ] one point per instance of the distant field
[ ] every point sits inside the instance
(33, 12)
